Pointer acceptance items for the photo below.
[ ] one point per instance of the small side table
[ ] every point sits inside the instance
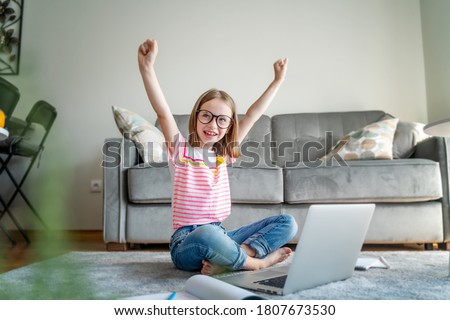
(440, 128)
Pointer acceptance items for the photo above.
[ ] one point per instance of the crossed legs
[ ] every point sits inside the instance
(212, 250)
(251, 263)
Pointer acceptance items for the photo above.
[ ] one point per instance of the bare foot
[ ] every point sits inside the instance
(251, 263)
(271, 259)
(210, 269)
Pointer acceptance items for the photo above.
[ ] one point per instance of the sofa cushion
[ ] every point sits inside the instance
(304, 137)
(152, 183)
(365, 181)
(256, 185)
(254, 147)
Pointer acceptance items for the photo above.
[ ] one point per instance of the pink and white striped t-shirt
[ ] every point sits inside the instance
(201, 191)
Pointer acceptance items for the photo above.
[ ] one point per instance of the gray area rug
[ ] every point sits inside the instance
(113, 275)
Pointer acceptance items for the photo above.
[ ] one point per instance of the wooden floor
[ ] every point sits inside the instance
(49, 246)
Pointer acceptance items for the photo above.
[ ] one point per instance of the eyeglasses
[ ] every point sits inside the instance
(205, 117)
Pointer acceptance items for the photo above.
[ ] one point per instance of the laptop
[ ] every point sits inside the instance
(327, 251)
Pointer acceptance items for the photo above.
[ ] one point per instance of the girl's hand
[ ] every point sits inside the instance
(147, 54)
(280, 67)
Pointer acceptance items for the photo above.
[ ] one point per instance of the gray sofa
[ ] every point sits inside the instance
(279, 172)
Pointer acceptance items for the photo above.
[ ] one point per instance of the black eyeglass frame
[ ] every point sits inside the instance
(215, 116)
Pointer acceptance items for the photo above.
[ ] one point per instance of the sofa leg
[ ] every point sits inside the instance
(114, 246)
(439, 246)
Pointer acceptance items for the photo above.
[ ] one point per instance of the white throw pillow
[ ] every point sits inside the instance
(407, 136)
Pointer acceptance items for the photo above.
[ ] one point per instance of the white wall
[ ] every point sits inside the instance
(436, 35)
(81, 56)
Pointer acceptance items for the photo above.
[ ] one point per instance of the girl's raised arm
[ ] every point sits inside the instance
(146, 57)
(258, 108)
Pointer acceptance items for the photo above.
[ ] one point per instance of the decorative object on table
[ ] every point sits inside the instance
(11, 12)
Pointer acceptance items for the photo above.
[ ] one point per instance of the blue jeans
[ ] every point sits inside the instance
(190, 245)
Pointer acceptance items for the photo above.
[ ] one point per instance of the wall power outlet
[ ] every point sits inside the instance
(96, 186)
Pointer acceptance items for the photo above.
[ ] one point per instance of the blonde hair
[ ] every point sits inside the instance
(227, 145)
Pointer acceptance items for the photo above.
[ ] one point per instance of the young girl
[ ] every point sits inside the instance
(201, 194)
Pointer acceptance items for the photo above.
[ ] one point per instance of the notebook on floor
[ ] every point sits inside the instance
(327, 251)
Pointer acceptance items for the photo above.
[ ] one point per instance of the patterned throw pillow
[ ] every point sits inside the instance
(374, 141)
(148, 139)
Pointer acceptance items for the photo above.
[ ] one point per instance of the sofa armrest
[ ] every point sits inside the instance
(438, 149)
(119, 154)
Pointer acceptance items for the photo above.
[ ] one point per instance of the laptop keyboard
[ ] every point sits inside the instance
(277, 282)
